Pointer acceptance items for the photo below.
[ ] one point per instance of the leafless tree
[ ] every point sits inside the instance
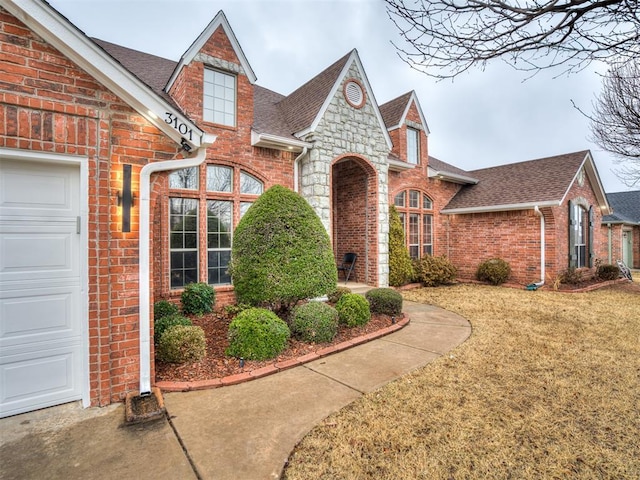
(615, 121)
(444, 38)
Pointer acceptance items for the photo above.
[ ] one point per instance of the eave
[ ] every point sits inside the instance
(276, 142)
(500, 208)
(452, 177)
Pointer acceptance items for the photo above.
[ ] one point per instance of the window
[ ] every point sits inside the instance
(417, 220)
(413, 146)
(183, 244)
(224, 195)
(219, 103)
(580, 235)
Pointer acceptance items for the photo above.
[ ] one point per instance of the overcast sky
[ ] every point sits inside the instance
(481, 119)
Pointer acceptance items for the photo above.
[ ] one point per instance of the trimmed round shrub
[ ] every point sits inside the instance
(353, 310)
(334, 296)
(607, 272)
(494, 271)
(281, 252)
(257, 334)
(182, 344)
(164, 308)
(400, 265)
(314, 322)
(384, 300)
(433, 271)
(162, 324)
(198, 298)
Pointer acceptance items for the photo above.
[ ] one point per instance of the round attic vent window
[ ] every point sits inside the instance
(354, 94)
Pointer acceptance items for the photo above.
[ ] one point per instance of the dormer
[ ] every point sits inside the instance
(409, 132)
(213, 81)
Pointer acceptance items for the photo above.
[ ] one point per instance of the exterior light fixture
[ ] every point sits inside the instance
(241, 362)
(126, 198)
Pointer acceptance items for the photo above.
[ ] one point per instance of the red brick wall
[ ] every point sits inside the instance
(49, 104)
(513, 236)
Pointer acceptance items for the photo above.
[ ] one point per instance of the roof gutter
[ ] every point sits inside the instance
(500, 208)
(536, 209)
(144, 266)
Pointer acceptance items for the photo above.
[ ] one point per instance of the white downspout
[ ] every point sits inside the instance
(542, 247)
(296, 168)
(144, 267)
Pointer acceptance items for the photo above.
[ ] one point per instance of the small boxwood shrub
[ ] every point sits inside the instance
(314, 322)
(182, 344)
(353, 310)
(433, 271)
(198, 298)
(334, 296)
(607, 272)
(384, 300)
(257, 334)
(162, 324)
(494, 271)
(164, 308)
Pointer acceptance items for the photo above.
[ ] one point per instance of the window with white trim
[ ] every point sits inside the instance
(416, 216)
(224, 196)
(219, 102)
(413, 146)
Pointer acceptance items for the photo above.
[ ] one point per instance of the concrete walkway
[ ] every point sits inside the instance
(244, 431)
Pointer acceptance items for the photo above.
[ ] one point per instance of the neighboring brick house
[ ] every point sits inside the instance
(123, 175)
(622, 228)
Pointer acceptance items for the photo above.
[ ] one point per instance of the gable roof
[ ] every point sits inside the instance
(220, 20)
(304, 108)
(301, 107)
(626, 208)
(56, 30)
(445, 171)
(518, 186)
(394, 112)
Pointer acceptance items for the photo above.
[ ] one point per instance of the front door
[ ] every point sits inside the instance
(627, 249)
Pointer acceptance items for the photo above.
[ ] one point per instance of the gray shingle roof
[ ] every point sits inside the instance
(534, 181)
(626, 207)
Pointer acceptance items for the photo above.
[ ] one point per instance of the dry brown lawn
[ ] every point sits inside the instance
(546, 387)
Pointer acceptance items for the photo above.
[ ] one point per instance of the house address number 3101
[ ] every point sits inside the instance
(180, 126)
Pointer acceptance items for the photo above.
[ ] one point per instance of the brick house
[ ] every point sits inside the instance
(123, 175)
(622, 228)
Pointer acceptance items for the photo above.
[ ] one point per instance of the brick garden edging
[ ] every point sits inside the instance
(168, 386)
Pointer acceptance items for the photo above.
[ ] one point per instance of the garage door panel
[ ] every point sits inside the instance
(40, 315)
(36, 381)
(31, 188)
(38, 252)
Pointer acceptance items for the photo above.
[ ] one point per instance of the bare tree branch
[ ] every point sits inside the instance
(444, 38)
(615, 122)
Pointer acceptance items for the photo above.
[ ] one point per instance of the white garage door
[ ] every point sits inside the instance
(41, 341)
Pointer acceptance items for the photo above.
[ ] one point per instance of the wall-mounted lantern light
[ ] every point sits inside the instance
(126, 198)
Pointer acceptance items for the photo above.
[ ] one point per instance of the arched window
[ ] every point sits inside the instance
(221, 194)
(416, 214)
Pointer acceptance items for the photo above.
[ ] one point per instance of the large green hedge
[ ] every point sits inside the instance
(281, 252)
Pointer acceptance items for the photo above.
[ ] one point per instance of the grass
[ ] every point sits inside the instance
(547, 386)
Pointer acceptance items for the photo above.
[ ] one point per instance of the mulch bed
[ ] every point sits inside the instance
(217, 365)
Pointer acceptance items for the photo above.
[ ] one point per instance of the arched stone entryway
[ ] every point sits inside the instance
(354, 213)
